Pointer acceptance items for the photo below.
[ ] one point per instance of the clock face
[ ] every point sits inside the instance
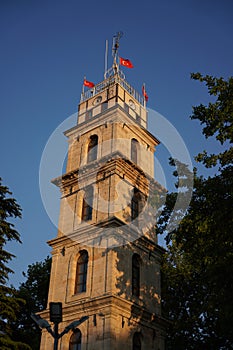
(111, 92)
(132, 104)
(97, 100)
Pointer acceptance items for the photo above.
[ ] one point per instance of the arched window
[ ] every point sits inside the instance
(81, 272)
(87, 204)
(135, 204)
(134, 151)
(75, 340)
(136, 275)
(92, 148)
(137, 341)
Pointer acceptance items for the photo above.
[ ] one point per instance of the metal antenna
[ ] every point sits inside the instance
(115, 46)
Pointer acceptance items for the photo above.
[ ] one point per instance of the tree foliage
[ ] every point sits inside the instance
(9, 303)
(35, 293)
(217, 119)
(197, 268)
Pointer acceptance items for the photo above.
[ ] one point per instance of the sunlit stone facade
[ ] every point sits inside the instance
(105, 258)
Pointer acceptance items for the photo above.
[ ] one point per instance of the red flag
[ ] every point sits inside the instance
(125, 62)
(144, 93)
(88, 83)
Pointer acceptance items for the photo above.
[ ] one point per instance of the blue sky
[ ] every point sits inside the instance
(46, 49)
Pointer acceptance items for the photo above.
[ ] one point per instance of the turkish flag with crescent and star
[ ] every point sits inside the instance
(145, 93)
(125, 62)
(88, 83)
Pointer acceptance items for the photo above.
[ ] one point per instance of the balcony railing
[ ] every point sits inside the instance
(113, 79)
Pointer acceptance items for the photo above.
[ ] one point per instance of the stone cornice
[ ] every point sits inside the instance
(104, 117)
(115, 163)
(113, 305)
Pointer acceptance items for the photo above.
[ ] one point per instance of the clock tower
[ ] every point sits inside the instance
(105, 258)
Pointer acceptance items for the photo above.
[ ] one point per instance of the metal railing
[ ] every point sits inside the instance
(116, 78)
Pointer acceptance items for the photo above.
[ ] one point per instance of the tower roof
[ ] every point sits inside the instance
(114, 75)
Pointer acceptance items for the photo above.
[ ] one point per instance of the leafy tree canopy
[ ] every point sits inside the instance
(216, 119)
(35, 293)
(197, 268)
(9, 303)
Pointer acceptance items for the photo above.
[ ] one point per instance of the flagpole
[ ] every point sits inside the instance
(144, 89)
(106, 59)
(115, 46)
(84, 78)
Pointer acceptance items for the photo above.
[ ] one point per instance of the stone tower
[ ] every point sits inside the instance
(105, 258)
